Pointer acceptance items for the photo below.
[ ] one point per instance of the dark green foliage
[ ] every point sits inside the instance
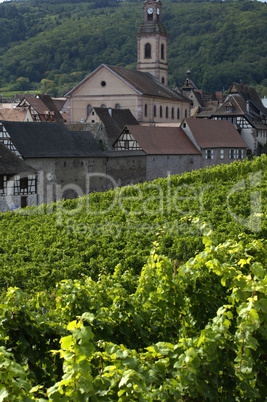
(63, 42)
(151, 304)
(198, 334)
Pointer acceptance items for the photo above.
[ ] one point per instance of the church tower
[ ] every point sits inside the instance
(152, 40)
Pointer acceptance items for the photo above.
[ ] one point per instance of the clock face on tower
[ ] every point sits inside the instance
(150, 10)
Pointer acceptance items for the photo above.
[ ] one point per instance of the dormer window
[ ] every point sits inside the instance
(229, 108)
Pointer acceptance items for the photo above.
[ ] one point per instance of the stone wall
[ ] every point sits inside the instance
(68, 177)
(126, 169)
(163, 165)
(73, 177)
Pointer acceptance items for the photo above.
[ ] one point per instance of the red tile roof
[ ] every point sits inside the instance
(12, 114)
(163, 140)
(215, 133)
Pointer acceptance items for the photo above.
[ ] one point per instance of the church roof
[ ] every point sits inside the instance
(146, 83)
(143, 83)
(163, 140)
(51, 140)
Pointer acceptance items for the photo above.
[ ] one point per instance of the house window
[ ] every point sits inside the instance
(155, 111)
(147, 51)
(160, 111)
(232, 153)
(167, 112)
(103, 83)
(103, 105)
(191, 159)
(1, 182)
(145, 110)
(117, 106)
(229, 108)
(126, 144)
(162, 52)
(240, 153)
(185, 113)
(162, 80)
(209, 154)
(178, 114)
(172, 113)
(222, 154)
(23, 183)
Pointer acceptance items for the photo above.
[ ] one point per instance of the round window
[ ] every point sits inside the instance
(103, 83)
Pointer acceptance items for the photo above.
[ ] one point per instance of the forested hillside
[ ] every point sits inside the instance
(152, 292)
(51, 45)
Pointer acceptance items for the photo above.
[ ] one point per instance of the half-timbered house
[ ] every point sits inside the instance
(18, 181)
(41, 107)
(245, 110)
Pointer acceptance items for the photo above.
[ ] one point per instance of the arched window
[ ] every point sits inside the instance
(117, 106)
(146, 110)
(178, 114)
(88, 109)
(167, 112)
(172, 113)
(160, 111)
(162, 52)
(147, 51)
(155, 111)
(103, 105)
(162, 80)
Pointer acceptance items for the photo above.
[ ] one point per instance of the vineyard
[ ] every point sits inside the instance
(151, 292)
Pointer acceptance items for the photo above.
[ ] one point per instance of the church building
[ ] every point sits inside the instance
(143, 91)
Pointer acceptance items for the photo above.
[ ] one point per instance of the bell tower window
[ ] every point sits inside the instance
(150, 14)
(162, 52)
(147, 51)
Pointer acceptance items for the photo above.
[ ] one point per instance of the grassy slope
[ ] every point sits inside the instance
(42, 246)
